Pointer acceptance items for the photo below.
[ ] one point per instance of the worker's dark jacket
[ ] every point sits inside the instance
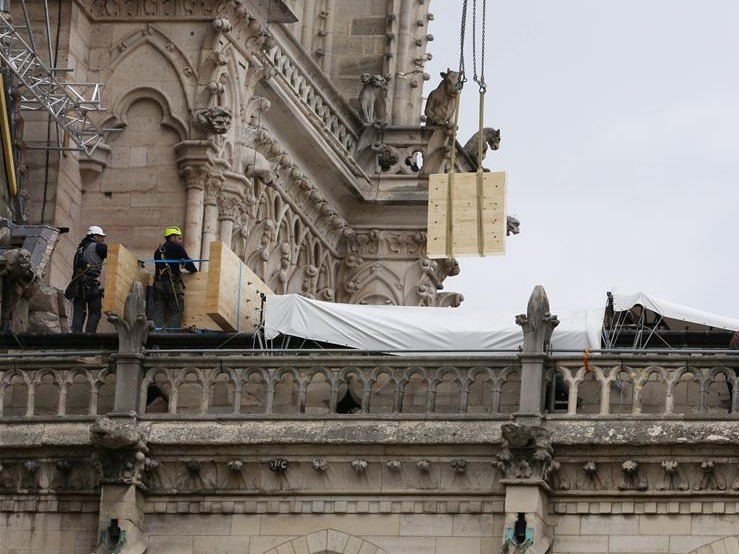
(171, 269)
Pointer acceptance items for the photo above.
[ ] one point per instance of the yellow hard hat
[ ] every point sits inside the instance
(172, 231)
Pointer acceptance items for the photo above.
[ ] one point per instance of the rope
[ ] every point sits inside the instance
(450, 181)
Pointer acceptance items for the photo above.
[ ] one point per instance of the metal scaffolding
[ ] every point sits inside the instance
(69, 104)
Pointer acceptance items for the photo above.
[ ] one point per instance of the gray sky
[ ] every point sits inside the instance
(620, 132)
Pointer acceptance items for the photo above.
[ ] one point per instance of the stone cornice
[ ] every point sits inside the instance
(278, 11)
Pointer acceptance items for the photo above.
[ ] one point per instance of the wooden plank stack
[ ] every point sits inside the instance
(225, 298)
(477, 211)
(121, 270)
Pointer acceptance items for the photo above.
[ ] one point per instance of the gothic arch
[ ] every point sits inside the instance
(728, 545)
(124, 103)
(167, 49)
(327, 541)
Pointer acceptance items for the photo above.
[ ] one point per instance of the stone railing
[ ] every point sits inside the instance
(326, 113)
(345, 384)
(60, 385)
(275, 384)
(665, 384)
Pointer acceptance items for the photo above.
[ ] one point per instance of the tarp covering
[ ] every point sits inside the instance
(676, 316)
(403, 328)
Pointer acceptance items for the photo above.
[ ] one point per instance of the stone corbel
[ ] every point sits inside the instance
(94, 164)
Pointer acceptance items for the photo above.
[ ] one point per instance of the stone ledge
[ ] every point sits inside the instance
(647, 507)
(321, 506)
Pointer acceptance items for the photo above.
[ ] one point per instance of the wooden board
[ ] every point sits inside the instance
(471, 235)
(233, 300)
(195, 313)
(121, 269)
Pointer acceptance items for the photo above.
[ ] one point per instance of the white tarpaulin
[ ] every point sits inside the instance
(418, 329)
(682, 317)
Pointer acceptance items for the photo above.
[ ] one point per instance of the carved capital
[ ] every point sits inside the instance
(213, 188)
(195, 176)
(229, 207)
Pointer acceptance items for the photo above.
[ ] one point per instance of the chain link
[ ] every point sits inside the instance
(461, 45)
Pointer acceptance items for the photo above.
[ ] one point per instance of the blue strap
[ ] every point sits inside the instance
(169, 261)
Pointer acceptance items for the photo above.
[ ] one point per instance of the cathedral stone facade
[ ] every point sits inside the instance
(290, 131)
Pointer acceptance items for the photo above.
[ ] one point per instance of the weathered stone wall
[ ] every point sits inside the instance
(644, 527)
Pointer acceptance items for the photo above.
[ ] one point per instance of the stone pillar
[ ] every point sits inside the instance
(538, 324)
(213, 187)
(194, 159)
(132, 328)
(121, 519)
(526, 528)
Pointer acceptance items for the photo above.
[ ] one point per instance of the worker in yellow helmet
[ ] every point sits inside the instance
(169, 292)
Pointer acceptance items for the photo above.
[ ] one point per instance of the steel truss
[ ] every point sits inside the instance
(70, 104)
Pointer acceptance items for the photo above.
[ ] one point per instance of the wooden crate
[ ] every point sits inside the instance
(122, 268)
(233, 291)
(471, 234)
(226, 297)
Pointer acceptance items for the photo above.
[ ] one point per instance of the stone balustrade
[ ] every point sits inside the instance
(279, 384)
(674, 384)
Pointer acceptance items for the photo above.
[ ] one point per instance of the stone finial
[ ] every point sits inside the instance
(538, 323)
(133, 327)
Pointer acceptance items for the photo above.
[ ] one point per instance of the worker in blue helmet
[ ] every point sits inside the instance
(169, 292)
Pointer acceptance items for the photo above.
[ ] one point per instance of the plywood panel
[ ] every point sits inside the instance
(468, 237)
(122, 268)
(233, 299)
(195, 313)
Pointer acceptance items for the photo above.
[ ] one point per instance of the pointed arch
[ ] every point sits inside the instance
(169, 120)
(327, 541)
(168, 50)
(728, 545)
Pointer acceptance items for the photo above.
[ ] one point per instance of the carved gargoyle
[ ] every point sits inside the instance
(525, 453)
(442, 101)
(214, 120)
(120, 433)
(491, 141)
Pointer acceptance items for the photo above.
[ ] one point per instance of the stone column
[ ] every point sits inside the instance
(194, 159)
(213, 188)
